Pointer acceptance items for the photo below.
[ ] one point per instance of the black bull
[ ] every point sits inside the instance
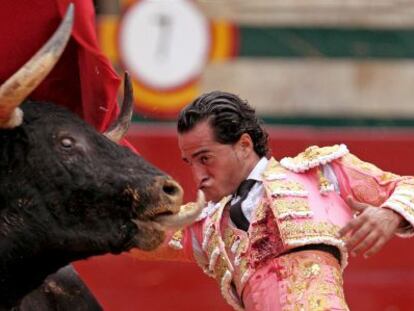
(68, 192)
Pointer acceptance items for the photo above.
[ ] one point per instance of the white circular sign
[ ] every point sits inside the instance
(164, 43)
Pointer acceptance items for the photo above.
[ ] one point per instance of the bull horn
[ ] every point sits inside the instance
(27, 78)
(120, 126)
(187, 215)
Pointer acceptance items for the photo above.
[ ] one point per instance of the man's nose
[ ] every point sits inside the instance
(199, 174)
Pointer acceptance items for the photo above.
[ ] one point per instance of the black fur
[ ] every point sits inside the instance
(61, 291)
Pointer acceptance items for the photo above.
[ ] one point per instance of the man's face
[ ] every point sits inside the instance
(217, 168)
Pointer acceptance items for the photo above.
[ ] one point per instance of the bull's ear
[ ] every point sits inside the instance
(120, 126)
(28, 77)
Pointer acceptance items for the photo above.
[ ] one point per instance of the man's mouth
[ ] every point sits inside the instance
(203, 186)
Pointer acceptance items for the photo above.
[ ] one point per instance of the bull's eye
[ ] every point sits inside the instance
(66, 142)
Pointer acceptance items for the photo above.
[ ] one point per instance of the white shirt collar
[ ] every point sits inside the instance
(260, 167)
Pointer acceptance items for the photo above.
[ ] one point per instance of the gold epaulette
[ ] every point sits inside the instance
(314, 156)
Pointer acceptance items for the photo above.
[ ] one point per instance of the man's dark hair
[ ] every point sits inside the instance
(229, 117)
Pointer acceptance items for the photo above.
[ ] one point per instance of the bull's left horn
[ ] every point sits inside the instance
(27, 78)
(118, 129)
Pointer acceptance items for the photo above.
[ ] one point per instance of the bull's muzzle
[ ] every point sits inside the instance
(171, 214)
(171, 195)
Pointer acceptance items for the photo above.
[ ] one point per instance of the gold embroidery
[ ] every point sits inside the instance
(285, 186)
(273, 169)
(324, 184)
(257, 233)
(286, 206)
(178, 235)
(244, 266)
(260, 212)
(313, 283)
(243, 246)
(220, 267)
(229, 237)
(212, 244)
(293, 230)
(312, 269)
(212, 232)
(221, 264)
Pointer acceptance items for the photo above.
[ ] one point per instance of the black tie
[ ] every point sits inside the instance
(236, 213)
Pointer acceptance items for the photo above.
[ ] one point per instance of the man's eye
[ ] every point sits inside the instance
(205, 160)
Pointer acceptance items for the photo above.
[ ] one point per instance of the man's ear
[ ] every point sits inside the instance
(246, 144)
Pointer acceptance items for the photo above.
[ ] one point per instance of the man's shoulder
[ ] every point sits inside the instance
(314, 156)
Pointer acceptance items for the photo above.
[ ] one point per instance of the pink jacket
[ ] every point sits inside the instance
(304, 203)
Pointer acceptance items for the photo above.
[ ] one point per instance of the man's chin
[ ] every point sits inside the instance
(212, 195)
(208, 196)
(213, 198)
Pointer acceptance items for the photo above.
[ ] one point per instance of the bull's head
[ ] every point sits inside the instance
(66, 191)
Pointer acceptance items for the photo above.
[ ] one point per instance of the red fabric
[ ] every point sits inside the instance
(26, 25)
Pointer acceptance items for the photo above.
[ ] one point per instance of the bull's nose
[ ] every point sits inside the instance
(172, 193)
(172, 188)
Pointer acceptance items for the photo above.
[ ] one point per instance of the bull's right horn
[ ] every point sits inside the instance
(28, 77)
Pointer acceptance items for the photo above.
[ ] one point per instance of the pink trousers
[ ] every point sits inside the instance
(301, 281)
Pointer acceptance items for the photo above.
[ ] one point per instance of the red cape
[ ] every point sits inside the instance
(26, 25)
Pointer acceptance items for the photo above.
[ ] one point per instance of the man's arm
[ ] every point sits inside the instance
(375, 196)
